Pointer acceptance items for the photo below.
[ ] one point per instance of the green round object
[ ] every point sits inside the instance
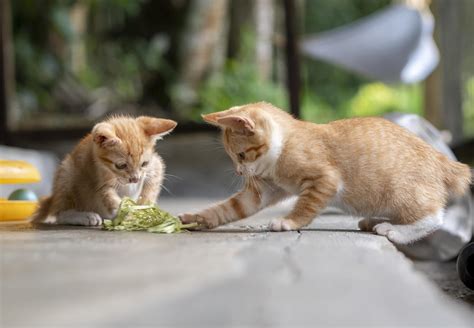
(23, 194)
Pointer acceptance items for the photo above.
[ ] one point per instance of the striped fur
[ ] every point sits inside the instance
(369, 166)
(88, 185)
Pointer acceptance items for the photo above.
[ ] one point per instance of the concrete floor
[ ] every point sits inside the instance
(445, 276)
(239, 275)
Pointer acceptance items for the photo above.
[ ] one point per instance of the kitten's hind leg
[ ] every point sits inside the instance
(73, 217)
(409, 233)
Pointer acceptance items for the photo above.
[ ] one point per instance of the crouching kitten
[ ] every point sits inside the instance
(116, 159)
(369, 167)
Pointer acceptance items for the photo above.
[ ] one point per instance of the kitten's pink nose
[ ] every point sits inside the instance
(133, 180)
(239, 171)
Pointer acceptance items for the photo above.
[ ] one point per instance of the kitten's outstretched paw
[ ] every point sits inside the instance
(93, 219)
(200, 220)
(111, 214)
(72, 217)
(283, 225)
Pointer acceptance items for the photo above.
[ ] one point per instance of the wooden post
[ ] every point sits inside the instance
(432, 94)
(292, 57)
(264, 27)
(6, 69)
(451, 52)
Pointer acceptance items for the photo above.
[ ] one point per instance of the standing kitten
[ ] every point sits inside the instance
(368, 166)
(116, 160)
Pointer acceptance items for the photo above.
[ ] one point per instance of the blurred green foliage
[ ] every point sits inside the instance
(375, 99)
(44, 35)
(132, 54)
(468, 107)
(237, 84)
(338, 93)
(333, 84)
(329, 92)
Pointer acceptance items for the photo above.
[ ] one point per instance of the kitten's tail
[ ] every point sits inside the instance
(457, 178)
(43, 210)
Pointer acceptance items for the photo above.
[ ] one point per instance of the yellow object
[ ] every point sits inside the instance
(13, 210)
(18, 172)
(13, 172)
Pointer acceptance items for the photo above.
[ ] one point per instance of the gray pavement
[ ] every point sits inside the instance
(240, 275)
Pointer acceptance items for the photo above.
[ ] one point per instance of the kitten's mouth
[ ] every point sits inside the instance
(129, 181)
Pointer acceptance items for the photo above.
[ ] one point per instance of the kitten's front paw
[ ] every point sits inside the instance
(92, 219)
(283, 225)
(73, 217)
(199, 219)
(111, 206)
(110, 214)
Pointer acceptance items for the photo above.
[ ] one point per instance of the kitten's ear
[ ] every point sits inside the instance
(239, 124)
(104, 136)
(212, 117)
(155, 128)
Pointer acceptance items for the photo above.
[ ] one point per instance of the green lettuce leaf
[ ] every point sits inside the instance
(134, 217)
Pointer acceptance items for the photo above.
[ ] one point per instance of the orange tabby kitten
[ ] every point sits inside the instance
(367, 166)
(117, 159)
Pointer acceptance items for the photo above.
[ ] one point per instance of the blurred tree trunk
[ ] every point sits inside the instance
(264, 27)
(7, 70)
(239, 17)
(203, 46)
(78, 15)
(443, 95)
(279, 43)
(432, 97)
(451, 45)
(262, 24)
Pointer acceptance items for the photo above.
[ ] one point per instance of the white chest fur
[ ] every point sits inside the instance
(132, 190)
(265, 165)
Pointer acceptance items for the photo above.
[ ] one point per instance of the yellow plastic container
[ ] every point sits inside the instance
(18, 172)
(13, 172)
(14, 210)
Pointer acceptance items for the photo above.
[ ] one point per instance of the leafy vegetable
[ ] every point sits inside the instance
(134, 217)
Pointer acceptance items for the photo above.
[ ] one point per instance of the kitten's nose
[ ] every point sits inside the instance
(133, 179)
(239, 171)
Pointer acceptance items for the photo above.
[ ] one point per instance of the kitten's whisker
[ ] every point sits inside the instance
(268, 185)
(167, 190)
(173, 176)
(106, 183)
(234, 182)
(257, 189)
(259, 194)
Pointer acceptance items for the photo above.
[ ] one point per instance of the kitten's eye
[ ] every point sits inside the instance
(121, 166)
(241, 156)
(144, 164)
